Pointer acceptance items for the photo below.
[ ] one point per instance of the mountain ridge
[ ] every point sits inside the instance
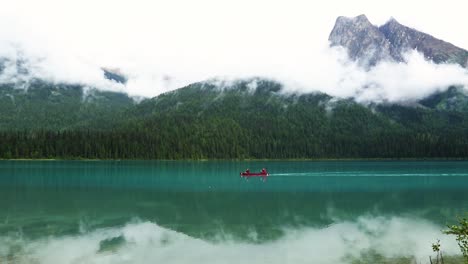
(369, 44)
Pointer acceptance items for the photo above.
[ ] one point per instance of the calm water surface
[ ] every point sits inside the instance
(193, 212)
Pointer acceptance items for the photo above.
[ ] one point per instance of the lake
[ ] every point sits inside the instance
(204, 212)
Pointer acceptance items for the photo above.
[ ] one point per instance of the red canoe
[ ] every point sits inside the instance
(247, 173)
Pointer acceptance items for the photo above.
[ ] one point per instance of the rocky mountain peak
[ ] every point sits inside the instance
(393, 21)
(369, 44)
(363, 40)
(360, 20)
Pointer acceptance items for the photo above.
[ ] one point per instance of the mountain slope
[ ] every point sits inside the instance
(205, 121)
(403, 38)
(45, 106)
(254, 119)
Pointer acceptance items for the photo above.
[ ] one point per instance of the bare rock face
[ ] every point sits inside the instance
(369, 44)
(363, 40)
(114, 74)
(404, 38)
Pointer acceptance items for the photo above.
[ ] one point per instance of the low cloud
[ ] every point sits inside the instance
(328, 71)
(156, 59)
(386, 82)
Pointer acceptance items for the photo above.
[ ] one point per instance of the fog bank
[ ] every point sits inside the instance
(162, 46)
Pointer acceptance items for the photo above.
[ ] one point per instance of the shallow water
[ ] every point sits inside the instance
(179, 212)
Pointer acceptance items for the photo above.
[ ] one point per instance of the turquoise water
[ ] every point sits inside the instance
(193, 212)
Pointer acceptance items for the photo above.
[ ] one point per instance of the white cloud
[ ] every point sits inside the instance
(163, 45)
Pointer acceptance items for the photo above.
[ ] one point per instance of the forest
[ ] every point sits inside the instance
(202, 121)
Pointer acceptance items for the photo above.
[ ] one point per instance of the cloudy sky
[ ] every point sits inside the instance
(162, 45)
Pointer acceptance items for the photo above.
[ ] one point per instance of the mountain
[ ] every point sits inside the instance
(246, 118)
(41, 105)
(254, 119)
(362, 40)
(370, 44)
(29, 103)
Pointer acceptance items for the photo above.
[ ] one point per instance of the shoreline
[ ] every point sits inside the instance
(246, 160)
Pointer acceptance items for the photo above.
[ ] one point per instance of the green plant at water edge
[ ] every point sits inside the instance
(439, 258)
(461, 233)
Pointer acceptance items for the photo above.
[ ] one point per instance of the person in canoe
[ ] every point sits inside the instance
(247, 173)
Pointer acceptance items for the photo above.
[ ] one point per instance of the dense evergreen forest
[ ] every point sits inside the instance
(41, 105)
(242, 120)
